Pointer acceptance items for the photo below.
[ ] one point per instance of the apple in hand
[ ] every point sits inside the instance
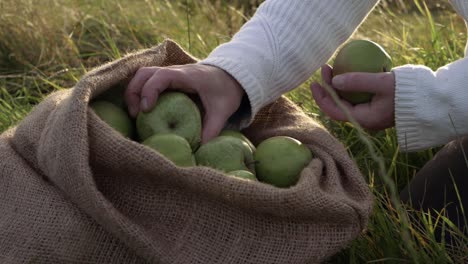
(175, 113)
(360, 56)
(226, 153)
(114, 116)
(239, 135)
(243, 174)
(172, 146)
(279, 160)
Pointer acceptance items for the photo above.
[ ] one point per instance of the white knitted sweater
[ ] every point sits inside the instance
(285, 42)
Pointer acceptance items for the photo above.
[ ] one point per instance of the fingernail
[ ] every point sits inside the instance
(144, 104)
(338, 81)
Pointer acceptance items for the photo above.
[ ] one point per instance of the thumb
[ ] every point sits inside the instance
(213, 123)
(364, 82)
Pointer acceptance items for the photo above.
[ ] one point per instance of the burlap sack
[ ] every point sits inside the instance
(73, 190)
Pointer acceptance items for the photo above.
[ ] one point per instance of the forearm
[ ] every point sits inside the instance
(284, 43)
(431, 108)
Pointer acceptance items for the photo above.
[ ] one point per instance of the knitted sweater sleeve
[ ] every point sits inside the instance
(283, 44)
(431, 107)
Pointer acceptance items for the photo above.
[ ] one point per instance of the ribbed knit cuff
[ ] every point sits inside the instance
(252, 87)
(406, 122)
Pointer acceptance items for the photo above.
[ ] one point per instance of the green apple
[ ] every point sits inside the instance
(361, 56)
(239, 135)
(172, 146)
(226, 153)
(114, 116)
(175, 113)
(115, 95)
(279, 160)
(243, 174)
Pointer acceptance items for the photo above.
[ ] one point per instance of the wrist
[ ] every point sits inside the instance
(235, 88)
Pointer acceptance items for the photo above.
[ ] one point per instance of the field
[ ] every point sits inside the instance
(48, 45)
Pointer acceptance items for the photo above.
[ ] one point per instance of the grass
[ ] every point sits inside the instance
(48, 47)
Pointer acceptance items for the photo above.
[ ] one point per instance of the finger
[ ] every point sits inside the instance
(364, 114)
(376, 83)
(327, 74)
(326, 103)
(318, 92)
(132, 93)
(213, 123)
(155, 85)
(361, 113)
(160, 81)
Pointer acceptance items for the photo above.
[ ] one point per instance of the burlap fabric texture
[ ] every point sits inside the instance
(72, 190)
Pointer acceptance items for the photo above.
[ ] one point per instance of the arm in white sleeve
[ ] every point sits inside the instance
(431, 108)
(284, 43)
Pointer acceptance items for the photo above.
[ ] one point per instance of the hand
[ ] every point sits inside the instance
(219, 92)
(378, 114)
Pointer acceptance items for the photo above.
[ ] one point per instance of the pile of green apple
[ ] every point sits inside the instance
(173, 128)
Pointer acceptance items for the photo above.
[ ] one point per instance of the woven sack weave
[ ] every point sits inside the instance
(73, 190)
